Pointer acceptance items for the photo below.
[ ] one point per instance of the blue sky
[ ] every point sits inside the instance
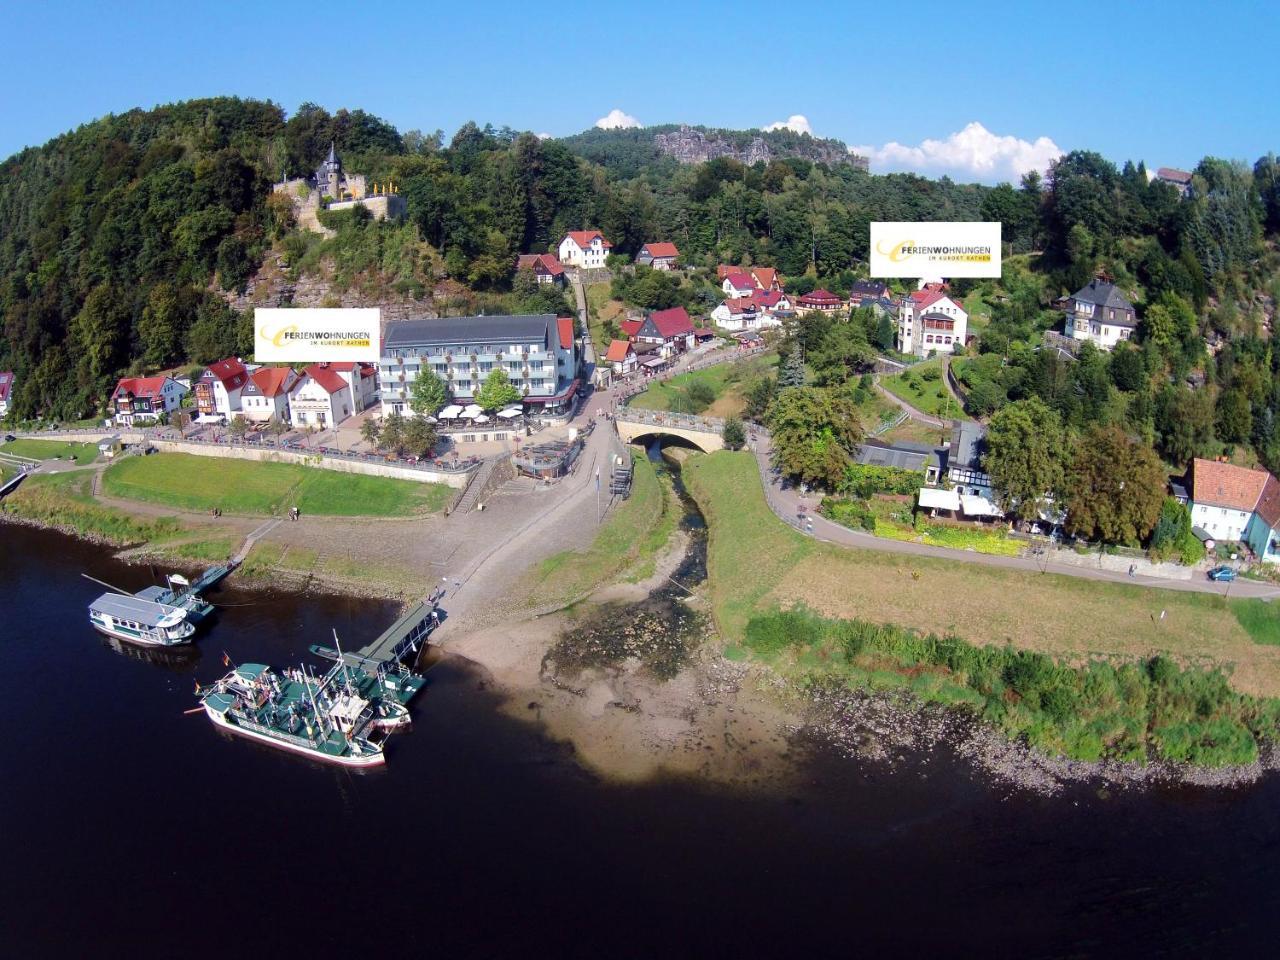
(1166, 82)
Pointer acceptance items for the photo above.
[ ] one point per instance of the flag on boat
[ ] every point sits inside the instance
(226, 660)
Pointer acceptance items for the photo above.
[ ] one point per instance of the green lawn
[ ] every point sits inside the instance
(725, 381)
(756, 563)
(926, 395)
(82, 453)
(600, 308)
(979, 312)
(244, 486)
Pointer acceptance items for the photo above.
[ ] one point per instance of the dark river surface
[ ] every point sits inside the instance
(131, 829)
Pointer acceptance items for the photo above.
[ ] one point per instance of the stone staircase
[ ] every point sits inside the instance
(492, 473)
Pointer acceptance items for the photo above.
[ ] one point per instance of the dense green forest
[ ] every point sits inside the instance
(119, 240)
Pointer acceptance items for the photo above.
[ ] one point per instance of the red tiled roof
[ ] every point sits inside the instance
(532, 261)
(6, 384)
(765, 276)
(631, 327)
(1268, 507)
(565, 325)
(662, 249)
(926, 298)
(739, 304)
(767, 298)
(1174, 174)
(1226, 485)
(820, 296)
(230, 372)
(741, 281)
(326, 376)
(723, 270)
(618, 351)
(271, 380)
(672, 323)
(150, 387)
(583, 238)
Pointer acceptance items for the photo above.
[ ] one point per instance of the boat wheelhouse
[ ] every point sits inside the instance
(140, 621)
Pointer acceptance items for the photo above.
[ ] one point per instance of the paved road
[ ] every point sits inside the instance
(788, 503)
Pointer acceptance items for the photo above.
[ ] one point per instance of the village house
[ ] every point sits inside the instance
(671, 330)
(144, 399)
(929, 321)
(6, 391)
(544, 267)
(584, 248)
(763, 278)
(362, 378)
(266, 395)
(621, 357)
(738, 285)
(757, 312)
(218, 388)
(660, 256)
(821, 300)
(1100, 313)
(1263, 532)
(968, 493)
(1224, 497)
(539, 353)
(1180, 180)
(320, 398)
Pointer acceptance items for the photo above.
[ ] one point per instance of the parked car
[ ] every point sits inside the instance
(1223, 574)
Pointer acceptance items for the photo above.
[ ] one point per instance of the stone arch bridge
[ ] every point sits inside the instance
(705, 433)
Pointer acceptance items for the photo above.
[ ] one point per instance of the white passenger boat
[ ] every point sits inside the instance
(144, 622)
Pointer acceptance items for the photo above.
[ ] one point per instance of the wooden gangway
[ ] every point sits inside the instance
(403, 639)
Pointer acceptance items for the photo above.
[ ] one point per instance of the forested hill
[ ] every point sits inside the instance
(120, 241)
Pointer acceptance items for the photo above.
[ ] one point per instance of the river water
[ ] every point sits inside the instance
(131, 829)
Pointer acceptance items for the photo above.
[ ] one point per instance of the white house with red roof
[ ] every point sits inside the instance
(6, 391)
(545, 267)
(218, 388)
(660, 256)
(621, 357)
(584, 248)
(320, 398)
(760, 311)
(929, 321)
(362, 378)
(821, 300)
(738, 285)
(143, 399)
(671, 330)
(266, 395)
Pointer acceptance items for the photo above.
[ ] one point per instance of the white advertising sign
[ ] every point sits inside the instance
(317, 334)
(942, 249)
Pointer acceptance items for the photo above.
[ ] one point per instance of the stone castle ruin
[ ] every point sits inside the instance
(333, 188)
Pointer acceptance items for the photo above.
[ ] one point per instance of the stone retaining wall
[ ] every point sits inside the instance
(371, 468)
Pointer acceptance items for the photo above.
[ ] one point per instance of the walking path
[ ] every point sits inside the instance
(258, 533)
(911, 411)
(790, 505)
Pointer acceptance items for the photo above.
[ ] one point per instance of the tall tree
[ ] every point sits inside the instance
(497, 391)
(1115, 487)
(427, 394)
(814, 433)
(1026, 456)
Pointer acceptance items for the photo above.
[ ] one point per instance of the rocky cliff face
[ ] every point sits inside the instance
(272, 286)
(690, 145)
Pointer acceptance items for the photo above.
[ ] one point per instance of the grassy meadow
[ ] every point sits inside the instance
(81, 453)
(757, 563)
(188, 482)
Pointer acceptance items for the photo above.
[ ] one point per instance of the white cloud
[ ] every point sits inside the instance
(544, 136)
(616, 119)
(973, 152)
(797, 122)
